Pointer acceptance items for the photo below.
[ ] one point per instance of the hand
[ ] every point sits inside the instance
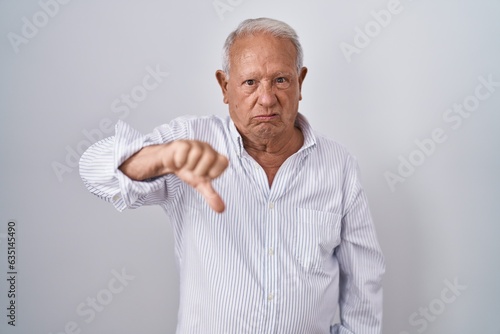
(197, 164)
(194, 162)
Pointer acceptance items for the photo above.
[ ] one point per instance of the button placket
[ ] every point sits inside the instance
(271, 284)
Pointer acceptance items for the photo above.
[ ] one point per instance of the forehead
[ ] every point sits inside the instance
(262, 51)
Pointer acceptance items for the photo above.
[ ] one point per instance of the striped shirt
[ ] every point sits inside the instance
(279, 259)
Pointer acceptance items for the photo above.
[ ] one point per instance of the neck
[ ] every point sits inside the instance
(270, 153)
(282, 145)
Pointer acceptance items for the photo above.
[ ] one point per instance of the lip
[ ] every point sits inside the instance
(266, 117)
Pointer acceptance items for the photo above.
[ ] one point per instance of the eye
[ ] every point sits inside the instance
(282, 82)
(250, 82)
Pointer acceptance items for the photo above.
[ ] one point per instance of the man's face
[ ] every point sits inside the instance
(264, 89)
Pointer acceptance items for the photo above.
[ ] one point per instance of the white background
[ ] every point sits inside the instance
(440, 224)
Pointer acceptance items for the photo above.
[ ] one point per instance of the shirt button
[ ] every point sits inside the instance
(116, 197)
(270, 296)
(271, 205)
(271, 251)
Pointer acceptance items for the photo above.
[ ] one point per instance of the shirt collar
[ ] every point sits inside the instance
(309, 137)
(300, 121)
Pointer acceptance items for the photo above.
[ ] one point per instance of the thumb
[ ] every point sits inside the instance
(211, 196)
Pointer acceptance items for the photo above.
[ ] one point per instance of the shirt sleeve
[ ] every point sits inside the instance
(100, 174)
(361, 264)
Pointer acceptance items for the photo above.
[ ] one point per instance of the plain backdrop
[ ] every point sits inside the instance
(381, 86)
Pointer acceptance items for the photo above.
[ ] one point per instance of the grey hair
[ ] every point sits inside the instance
(276, 28)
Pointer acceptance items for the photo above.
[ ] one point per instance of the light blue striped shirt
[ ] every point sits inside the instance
(280, 259)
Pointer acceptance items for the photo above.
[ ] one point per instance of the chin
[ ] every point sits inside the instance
(266, 130)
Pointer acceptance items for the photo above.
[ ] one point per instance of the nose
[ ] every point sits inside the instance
(267, 96)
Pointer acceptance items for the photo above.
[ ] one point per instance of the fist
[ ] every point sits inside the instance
(197, 164)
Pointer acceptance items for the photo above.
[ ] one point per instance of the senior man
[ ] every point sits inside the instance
(271, 225)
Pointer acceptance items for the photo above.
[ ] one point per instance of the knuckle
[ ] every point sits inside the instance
(182, 146)
(195, 151)
(223, 160)
(211, 157)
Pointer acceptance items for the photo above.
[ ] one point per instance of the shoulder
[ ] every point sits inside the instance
(204, 123)
(328, 143)
(324, 145)
(336, 166)
(193, 127)
(206, 128)
(326, 150)
(190, 127)
(198, 122)
(330, 148)
(211, 129)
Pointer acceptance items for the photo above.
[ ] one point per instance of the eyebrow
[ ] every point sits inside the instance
(254, 74)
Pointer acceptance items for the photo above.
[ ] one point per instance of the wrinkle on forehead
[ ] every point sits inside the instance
(263, 52)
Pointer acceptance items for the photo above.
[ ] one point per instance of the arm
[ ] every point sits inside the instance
(361, 265)
(131, 169)
(194, 162)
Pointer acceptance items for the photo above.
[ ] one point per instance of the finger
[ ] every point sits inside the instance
(181, 150)
(218, 167)
(207, 160)
(211, 196)
(194, 155)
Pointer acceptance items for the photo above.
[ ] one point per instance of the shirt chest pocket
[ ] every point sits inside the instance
(317, 233)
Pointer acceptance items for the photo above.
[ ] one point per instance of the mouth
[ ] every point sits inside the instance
(266, 117)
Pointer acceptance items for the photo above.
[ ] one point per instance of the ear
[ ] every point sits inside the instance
(221, 79)
(302, 76)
